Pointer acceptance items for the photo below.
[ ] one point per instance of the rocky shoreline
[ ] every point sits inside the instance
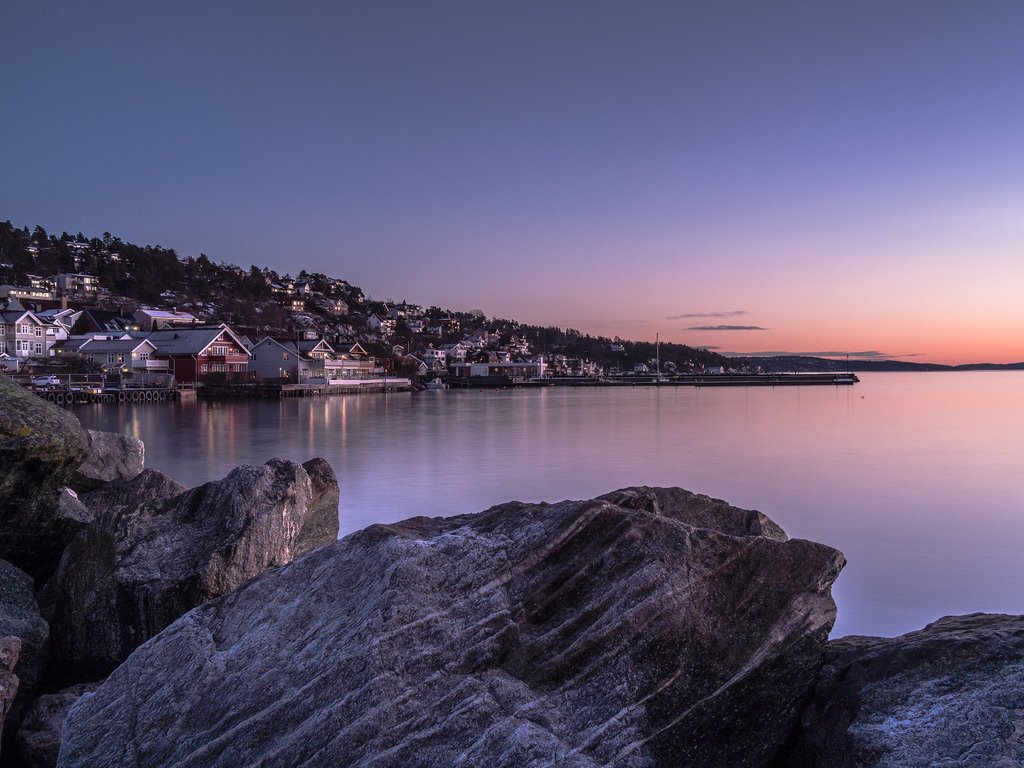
(146, 624)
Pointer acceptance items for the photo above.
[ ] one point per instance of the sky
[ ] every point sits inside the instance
(749, 176)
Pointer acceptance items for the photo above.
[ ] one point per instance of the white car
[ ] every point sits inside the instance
(45, 381)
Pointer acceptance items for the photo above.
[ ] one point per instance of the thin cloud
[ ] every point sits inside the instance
(726, 313)
(870, 354)
(726, 328)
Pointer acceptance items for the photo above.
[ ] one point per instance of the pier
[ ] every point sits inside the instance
(682, 380)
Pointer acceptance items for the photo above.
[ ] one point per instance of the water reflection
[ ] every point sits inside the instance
(916, 477)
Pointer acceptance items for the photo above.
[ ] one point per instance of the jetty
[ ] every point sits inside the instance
(681, 380)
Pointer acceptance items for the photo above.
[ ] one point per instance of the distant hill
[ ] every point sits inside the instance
(781, 363)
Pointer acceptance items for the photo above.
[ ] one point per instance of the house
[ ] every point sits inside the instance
(524, 369)
(127, 355)
(435, 358)
(25, 292)
(202, 353)
(336, 307)
(277, 360)
(104, 321)
(152, 319)
(380, 323)
(23, 335)
(455, 353)
(73, 282)
(9, 362)
(414, 364)
(292, 303)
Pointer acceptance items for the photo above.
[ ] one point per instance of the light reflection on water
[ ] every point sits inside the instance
(916, 477)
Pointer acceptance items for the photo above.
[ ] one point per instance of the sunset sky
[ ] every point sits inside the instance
(802, 177)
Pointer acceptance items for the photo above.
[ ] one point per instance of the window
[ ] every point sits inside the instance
(39, 348)
(39, 331)
(144, 356)
(111, 358)
(219, 350)
(286, 356)
(203, 368)
(3, 330)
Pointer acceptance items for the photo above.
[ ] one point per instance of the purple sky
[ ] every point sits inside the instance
(842, 177)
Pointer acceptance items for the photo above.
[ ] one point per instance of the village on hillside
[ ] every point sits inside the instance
(72, 306)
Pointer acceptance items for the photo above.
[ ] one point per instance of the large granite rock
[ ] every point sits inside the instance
(575, 634)
(20, 618)
(152, 555)
(38, 739)
(951, 694)
(40, 448)
(109, 457)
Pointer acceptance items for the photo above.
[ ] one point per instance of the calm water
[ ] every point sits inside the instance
(916, 477)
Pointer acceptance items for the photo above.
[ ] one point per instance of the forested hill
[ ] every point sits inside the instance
(154, 275)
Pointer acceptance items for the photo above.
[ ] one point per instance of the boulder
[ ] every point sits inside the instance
(152, 555)
(109, 457)
(574, 634)
(951, 694)
(38, 740)
(20, 618)
(40, 448)
(10, 648)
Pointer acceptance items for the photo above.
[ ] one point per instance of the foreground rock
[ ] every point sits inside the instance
(108, 457)
(38, 741)
(951, 694)
(154, 554)
(20, 618)
(10, 648)
(575, 634)
(40, 448)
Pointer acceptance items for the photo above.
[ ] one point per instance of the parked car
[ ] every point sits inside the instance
(45, 381)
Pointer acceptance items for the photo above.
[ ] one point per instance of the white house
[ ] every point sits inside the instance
(22, 334)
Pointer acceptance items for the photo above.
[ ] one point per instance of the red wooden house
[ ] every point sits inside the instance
(201, 354)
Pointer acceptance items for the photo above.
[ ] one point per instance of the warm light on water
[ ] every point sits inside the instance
(917, 478)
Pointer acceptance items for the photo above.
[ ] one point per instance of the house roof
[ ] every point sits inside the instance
(14, 316)
(191, 341)
(169, 315)
(92, 346)
(105, 320)
(309, 345)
